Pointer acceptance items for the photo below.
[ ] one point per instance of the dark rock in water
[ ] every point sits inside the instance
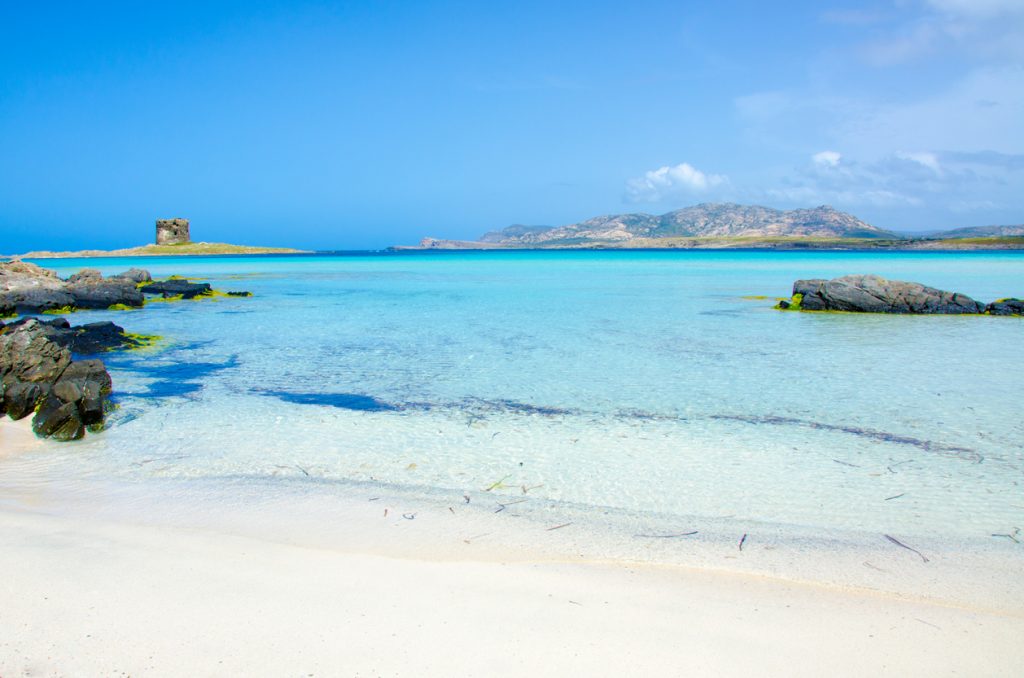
(98, 337)
(34, 300)
(37, 370)
(105, 293)
(135, 275)
(176, 287)
(1006, 307)
(873, 294)
(58, 420)
(239, 294)
(88, 339)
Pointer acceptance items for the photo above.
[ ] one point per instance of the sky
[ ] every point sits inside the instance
(343, 125)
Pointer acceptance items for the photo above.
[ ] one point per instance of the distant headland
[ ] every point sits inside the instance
(173, 238)
(729, 225)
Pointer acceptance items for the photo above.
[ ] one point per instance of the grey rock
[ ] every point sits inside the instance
(27, 354)
(105, 293)
(1006, 307)
(86, 275)
(27, 288)
(873, 294)
(135, 275)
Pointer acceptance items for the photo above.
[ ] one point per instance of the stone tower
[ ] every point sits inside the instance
(171, 231)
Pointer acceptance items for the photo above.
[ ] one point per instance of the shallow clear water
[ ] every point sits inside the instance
(640, 382)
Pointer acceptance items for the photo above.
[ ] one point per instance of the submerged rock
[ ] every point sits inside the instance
(874, 294)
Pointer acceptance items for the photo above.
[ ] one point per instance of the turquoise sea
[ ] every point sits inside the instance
(638, 392)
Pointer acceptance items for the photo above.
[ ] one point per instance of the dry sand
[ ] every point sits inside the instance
(88, 597)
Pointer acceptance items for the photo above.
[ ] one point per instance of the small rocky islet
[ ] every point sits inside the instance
(39, 372)
(874, 294)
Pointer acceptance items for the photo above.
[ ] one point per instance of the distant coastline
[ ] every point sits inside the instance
(731, 226)
(784, 243)
(186, 249)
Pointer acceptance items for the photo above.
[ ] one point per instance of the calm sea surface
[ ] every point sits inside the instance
(636, 382)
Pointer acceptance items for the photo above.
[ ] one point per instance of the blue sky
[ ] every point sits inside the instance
(360, 125)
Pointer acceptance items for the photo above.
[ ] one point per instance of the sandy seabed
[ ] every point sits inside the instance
(83, 594)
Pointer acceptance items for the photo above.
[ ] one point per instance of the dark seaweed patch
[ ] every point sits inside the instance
(882, 436)
(527, 408)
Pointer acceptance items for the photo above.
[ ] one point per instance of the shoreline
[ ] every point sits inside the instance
(244, 604)
(298, 576)
(441, 526)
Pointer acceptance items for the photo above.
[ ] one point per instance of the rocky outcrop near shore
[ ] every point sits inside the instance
(38, 375)
(87, 339)
(874, 294)
(38, 371)
(27, 288)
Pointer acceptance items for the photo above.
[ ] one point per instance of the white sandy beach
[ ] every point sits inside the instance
(16, 436)
(87, 597)
(91, 589)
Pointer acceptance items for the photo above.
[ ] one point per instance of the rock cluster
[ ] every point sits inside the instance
(87, 339)
(37, 374)
(874, 294)
(27, 288)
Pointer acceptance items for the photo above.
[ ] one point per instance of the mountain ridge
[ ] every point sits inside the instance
(702, 220)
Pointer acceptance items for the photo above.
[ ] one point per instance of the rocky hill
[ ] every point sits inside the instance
(704, 220)
(984, 232)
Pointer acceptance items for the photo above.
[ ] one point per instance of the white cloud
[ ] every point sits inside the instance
(827, 158)
(933, 179)
(670, 182)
